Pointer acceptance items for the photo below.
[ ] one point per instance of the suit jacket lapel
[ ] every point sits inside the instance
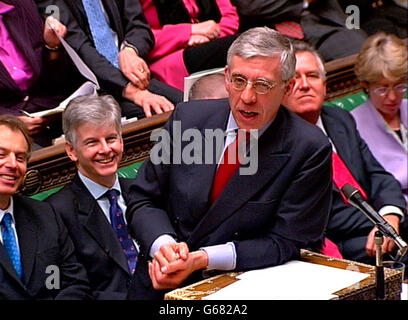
(95, 222)
(337, 135)
(201, 176)
(27, 236)
(115, 18)
(271, 158)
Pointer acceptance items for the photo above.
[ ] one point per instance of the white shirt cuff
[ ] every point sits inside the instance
(221, 257)
(391, 210)
(160, 241)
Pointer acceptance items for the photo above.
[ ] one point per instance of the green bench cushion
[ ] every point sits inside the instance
(349, 102)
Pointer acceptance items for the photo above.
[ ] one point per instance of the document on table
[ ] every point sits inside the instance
(294, 280)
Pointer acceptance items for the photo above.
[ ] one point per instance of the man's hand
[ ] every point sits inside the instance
(209, 29)
(134, 68)
(177, 271)
(147, 100)
(34, 125)
(170, 253)
(389, 244)
(197, 39)
(53, 27)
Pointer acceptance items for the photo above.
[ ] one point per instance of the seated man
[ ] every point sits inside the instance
(92, 128)
(34, 74)
(190, 217)
(113, 40)
(322, 23)
(348, 227)
(37, 258)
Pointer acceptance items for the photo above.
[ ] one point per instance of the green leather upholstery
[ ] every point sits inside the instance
(129, 171)
(349, 102)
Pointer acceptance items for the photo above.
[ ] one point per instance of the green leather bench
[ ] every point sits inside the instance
(348, 103)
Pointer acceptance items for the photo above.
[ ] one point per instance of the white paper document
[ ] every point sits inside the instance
(294, 280)
(89, 87)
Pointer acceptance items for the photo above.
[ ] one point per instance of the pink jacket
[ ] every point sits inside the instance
(166, 58)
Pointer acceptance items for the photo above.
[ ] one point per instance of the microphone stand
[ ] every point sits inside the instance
(379, 269)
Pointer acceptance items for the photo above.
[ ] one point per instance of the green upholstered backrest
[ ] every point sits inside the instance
(349, 102)
(129, 171)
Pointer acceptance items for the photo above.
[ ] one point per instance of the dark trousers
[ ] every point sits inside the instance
(209, 55)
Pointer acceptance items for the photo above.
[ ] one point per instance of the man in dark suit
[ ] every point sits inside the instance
(94, 142)
(179, 212)
(37, 258)
(323, 23)
(349, 228)
(129, 81)
(34, 74)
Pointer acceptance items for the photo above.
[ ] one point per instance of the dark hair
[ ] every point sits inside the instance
(15, 124)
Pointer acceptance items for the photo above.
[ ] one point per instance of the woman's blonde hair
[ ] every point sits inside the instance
(382, 55)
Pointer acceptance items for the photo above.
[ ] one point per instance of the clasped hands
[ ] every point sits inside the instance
(174, 263)
(204, 32)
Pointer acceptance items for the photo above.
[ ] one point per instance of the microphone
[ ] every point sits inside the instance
(355, 198)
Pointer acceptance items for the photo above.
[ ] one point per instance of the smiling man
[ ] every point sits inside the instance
(93, 205)
(32, 236)
(353, 163)
(196, 219)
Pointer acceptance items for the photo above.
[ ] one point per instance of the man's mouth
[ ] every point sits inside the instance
(8, 177)
(248, 114)
(105, 161)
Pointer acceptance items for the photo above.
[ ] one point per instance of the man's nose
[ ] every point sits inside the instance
(11, 161)
(303, 82)
(104, 146)
(248, 95)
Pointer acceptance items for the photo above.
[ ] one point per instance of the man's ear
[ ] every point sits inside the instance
(226, 79)
(289, 87)
(69, 149)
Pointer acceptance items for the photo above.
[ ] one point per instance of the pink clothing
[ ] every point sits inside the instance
(11, 57)
(170, 40)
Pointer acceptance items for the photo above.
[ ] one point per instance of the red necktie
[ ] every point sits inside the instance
(290, 29)
(229, 164)
(342, 176)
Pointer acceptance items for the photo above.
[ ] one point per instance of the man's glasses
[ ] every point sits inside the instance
(382, 91)
(260, 86)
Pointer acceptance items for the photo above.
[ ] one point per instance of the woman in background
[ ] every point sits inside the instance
(190, 36)
(382, 121)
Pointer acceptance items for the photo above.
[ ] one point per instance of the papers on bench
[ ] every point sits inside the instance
(89, 87)
(294, 280)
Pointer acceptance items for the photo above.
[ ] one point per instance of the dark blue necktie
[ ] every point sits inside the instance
(101, 32)
(119, 225)
(10, 243)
